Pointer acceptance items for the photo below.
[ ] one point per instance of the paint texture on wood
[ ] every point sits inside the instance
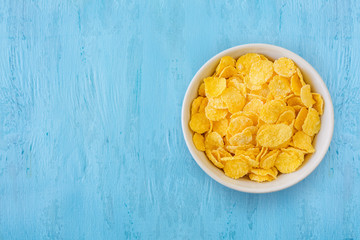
(91, 145)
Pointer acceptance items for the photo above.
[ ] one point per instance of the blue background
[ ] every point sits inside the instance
(91, 145)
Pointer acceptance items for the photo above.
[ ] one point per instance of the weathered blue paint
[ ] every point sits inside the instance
(90, 139)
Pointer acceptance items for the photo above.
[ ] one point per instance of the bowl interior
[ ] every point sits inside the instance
(321, 141)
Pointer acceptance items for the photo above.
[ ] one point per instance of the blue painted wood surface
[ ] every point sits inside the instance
(90, 140)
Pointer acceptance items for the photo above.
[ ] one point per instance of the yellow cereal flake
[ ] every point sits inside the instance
(319, 103)
(214, 86)
(213, 140)
(237, 83)
(258, 178)
(244, 63)
(217, 102)
(263, 92)
(252, 129)
(287, 117)
(289, 108)
(276, 172)
(233, 149)
(265, 172)
(297, 108)
(284, 67)
(238, 124)
(254, 106)
(268, 161)
(251, 97)
(224, 62)
(302, 141)
(252, 116)
(221, 126)
(199, 141)
(249, 85)
(233, 99)
(273, 135)
(223, 153)
(289, 160)
(242, 138)
(214, 157)
(270, 97)
(261, 153)
(214, 114)
(264, 152)
(228, 72)
(299, 121)
(271, 111)
(306, 96)
(201, 90)
(236, 169)
(295, 101)
(295, 84)
(260, 72)
(249, 160)
(199, 123)
(250, 152)
(196, 105)
(238, 78)
(312, 123)
(203, 104)
(291, 95)
(279, 87)
(262, 57)
(211, 126)
(300, 76)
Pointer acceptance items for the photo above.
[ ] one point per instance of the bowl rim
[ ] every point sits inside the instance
(192, 149)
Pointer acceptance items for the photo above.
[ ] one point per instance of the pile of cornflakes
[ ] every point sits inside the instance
(255, 117)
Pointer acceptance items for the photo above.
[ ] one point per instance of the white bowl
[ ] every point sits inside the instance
(322, 140)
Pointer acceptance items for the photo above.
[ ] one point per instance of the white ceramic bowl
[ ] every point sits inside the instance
(322, 140)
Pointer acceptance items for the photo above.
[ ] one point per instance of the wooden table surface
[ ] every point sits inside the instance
(91, 145)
